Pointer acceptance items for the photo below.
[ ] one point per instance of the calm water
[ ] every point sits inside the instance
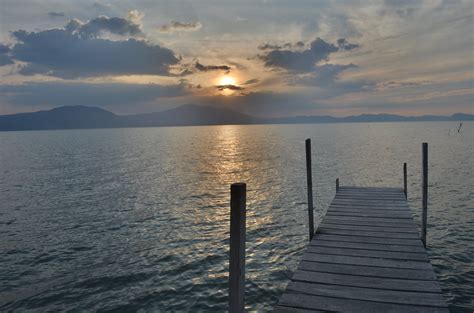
(138, 219)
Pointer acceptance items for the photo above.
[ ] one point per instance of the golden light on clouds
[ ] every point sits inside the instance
(226, 80)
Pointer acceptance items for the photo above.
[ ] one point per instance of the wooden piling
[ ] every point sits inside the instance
(337, 185)
(424, 215)
(237, 247)
(310, 188)
(405, 190)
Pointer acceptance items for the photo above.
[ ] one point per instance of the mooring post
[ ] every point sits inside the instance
(405, 190)
(309, 180)
(337, 185)
(424, 214)
(237, 247)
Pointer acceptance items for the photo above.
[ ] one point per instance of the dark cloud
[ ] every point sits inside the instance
(403, 8)
(98, 25)
(5, 58)
(264, 104)
(326, 79)
(269, 46)
(56, 14)
(400, 84)
(4, 49)
(299, 44)
(206, 68)
(287, 45)
(305, 60)
(251, 81)
(300, 61)
(323, 75)
(179, 26)
(66, 54)
(230, 87)
(97, 94)
(343, 44)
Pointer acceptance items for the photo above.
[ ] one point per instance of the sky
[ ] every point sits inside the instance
(265, 58)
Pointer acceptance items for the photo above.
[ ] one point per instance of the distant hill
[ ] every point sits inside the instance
(365, 118)
(66, 117)
(77, 117)
(74, 117)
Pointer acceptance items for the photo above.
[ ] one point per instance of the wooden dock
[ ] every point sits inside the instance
(366, 256)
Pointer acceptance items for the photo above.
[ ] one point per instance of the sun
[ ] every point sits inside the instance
(226, 80)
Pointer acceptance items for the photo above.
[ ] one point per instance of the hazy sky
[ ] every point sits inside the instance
(265, 58)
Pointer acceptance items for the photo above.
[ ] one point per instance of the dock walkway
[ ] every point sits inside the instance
(366, 256)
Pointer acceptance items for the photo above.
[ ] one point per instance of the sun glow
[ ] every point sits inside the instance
(227, 80)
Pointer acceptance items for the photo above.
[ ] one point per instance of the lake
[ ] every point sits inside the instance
(138, 218)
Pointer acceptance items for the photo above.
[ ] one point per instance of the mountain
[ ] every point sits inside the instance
(372, 118)
(73, 117)
(66, 117)
(188, 115)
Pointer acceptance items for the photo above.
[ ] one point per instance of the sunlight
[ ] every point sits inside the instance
(227, 80)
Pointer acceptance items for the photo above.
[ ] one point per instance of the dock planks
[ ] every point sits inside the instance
(366, 256)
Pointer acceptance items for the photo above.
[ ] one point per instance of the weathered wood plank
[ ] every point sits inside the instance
(372, 294)
(370, 198)
(365, 211)
(375, 214)
(334, 231)
(366, 256)
(369, 228)
(369, 208)
(368, 253)
(368, 203)
(367, 246)
(305, 301)
(372, 271)
(364, 239)
(284, 309)
(373, 220)
(368, 223)
(372, 189)
(369, 192)
(356, 260)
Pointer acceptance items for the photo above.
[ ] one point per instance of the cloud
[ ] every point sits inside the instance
(300, 61)
(56, 14)
(268, 46)
(400, 84)
(230, 87)
(66, 54)
(251, 81)
(5, 58)
(54, 94)
(206, 68)
(323, 75)
(343, 44)
(299, 44)
(263, 103)
(135, 16)
(95, 27)
(4, 49)
(179, 26)
(327, 84)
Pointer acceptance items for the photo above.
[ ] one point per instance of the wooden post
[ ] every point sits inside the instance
(337, 185)
(405, 190)
(237, 247)
(310, 188)
(424, 215)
